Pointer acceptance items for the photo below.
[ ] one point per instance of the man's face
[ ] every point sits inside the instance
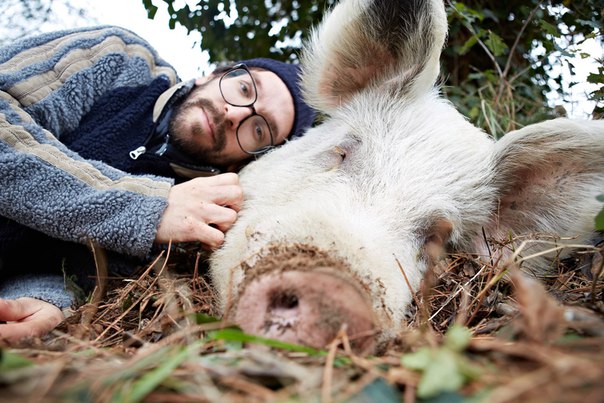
(205, 126)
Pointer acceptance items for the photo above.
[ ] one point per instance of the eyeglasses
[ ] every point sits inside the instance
(238, 88)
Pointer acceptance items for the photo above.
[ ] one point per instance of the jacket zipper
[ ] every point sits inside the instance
(134, 154)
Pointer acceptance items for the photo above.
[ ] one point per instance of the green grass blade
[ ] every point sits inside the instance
(148, 382)
(231, 334)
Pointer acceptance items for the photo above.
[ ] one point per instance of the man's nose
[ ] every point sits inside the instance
(237, 114)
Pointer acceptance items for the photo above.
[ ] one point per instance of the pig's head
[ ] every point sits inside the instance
(340, 225)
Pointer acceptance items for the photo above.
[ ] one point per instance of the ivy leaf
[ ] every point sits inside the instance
(495, 44)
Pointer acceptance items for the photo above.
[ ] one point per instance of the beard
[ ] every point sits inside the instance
(185, 135)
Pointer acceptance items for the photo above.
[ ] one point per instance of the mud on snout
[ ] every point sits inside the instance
(299, 294)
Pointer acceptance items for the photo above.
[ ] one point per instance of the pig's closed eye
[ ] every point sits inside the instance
(340, 152)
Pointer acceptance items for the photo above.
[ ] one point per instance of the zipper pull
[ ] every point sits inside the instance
(134, 154)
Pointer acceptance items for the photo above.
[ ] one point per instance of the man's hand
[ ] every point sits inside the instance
(201, 209)
(27, 317)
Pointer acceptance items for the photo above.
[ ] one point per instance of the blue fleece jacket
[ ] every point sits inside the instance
(73, 105)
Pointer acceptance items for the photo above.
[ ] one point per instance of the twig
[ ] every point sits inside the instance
(508, 63)
(100, 261)
(411, 290)
(457, 293)
(328, 371)
(116, 321)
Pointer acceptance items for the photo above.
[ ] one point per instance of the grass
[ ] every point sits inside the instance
(476, 332)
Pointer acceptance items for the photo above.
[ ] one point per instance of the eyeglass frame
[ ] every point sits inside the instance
(262, 150)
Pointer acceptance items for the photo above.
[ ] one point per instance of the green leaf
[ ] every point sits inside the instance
(442, 375)
(418, 360)
(458, 338)
(600, 221)
(495, 44)
(444, 369)
(600, 216)
(550, 29)
(202, 318)
(10, 361)
(466, 46)
(151, 9)
(233, 334)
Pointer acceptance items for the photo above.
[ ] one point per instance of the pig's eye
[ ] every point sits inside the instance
(340, 151)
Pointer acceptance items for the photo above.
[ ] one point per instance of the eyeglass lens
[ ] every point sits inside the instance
(239, 89)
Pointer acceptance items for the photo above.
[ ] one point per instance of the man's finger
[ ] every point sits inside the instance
(228, 195)
(228, 178)
(30, 317)
(221, 217)
(14, 310)
(21, 330)
(210, 237)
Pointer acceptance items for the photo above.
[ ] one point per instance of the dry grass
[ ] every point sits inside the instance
(531, 341)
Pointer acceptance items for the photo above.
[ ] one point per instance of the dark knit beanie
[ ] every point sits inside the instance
(290, 75)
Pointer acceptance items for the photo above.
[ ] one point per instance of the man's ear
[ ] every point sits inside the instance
(379, 42)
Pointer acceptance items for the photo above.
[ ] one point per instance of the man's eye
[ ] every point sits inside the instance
(258, 133)
(244, 88)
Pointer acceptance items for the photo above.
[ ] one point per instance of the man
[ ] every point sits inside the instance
(100, 143)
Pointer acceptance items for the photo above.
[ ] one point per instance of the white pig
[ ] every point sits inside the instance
(392, 178)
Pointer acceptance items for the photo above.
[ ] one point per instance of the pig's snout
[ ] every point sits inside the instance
(306, 307)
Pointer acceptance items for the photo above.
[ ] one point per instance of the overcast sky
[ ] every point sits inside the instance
(175, 46)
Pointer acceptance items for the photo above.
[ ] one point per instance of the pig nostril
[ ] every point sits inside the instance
(283, 300)
(282, 313)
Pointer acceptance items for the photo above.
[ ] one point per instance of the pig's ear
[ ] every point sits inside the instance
(373, 43)
(548, 176)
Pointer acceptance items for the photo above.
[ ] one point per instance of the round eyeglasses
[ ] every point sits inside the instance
(238, 88)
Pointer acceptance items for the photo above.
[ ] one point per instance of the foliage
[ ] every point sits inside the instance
(167, 346)
(237, 30)
(10, 361)
(600, 216)
(236, 335)
(444, 369)
(27, 17)
(501, 60)
(504, 57)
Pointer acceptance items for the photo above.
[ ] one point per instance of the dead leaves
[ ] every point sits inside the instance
(541, 318)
